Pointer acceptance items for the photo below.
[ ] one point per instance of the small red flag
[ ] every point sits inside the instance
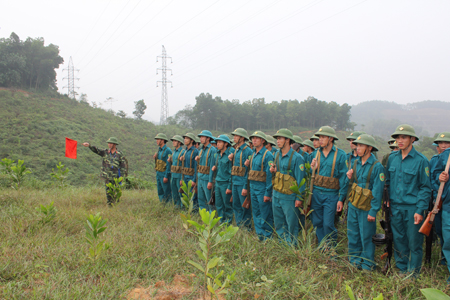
(71, 148)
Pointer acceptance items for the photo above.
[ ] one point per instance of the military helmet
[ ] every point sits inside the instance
(434, 145)
(223, 138)
(259, 134)
(191, 136)
(327, 131)
(354, 135)
(366, 139)
(240, 132)
(286, 133)
(393, 145)
(177, 138)
(271, 140)
(309, 144)
(213, 141)
(391, 140)
(314, 137)
(197, 140)
(298, 140)
(206, 133)
(442, 137)
(161, 136)
(405, 129)
(113, 140)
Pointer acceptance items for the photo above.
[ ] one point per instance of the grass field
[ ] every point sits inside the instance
(147, 259)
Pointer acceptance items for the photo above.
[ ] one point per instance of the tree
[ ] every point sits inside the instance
(121, 114)
(140, 109)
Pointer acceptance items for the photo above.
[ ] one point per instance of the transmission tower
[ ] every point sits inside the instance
(164, 81)
(111, 100)
(71, 80)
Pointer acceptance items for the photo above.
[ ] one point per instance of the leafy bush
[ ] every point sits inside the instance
(48, 212)
(96, 225)
(60, 175)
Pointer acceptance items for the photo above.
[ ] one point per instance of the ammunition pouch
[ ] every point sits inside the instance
(360, 198)
(203, 169)
(282, 183)
(175, 169)
(238, 171)
(160, 165)
(326, 182)
(257, 175)
(188, 171)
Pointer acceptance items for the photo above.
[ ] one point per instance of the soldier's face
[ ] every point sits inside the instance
(353, 146)
(236, 138)
(269, 146)
(443, 145)
(111, 145)
(281, 141)
(404, 141)
(187, 141)
(220, 145)
(256, 141)
(316, 143)
(203, 139)
(361, 150)
(324, 140)
(158, 142)
(175, 144)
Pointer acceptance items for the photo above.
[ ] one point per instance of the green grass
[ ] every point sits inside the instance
(149, 244)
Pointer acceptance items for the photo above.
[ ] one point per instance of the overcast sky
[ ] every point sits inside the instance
(344, 51)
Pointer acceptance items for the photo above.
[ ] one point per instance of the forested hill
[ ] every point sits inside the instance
(34, 127)
(380, 117)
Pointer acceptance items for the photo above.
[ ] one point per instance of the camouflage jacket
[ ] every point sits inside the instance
(113, 165)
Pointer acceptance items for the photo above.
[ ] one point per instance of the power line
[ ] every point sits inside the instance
(71, 79)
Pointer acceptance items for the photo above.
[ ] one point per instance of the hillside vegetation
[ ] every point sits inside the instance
(34, 127)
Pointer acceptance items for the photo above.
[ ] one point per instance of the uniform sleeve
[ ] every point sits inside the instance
(299, 171)
(166, 156)
(245, 156)
(122, 166)
(97, 151)
(211, 173)
(388, 174)
(269, 190)
(377, 179)
(342, 175)
(424, 195)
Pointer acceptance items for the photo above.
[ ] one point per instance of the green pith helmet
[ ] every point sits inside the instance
(314, 137)
(206, 133)
(223, 138)
(113, 140)
(366, 139)
(191, 136)
(354, 135)
(271, 140)
(309, 144)
(259, 134)
(405, 129)
(327, 131)
(240, 132)
(298, 139)
(177, 138)
(391, 140)
(393, 145)
(434, 145)
(197, 140)
(286, 133)
(442, 137)
(161, 136)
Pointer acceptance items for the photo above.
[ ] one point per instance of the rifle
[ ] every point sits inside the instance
(212, 200)
(428, 223)
(429, 239)
(387, 238)
(248, 199)
(311, 186)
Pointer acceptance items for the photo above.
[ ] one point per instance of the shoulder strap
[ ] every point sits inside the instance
(242, 152)
(318, 161)
(370, 173)
(334, 162)
(354, 177)
(262, 161)
(290, 160)
(207, 155)
(251, 161)
(277, 160)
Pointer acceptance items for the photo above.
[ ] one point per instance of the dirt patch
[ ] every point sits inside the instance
(180, 287)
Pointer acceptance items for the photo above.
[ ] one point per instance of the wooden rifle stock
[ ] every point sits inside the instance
(311, 186)
(428, 223)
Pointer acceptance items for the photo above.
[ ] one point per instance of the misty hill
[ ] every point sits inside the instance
(382, 117)
(34, 127)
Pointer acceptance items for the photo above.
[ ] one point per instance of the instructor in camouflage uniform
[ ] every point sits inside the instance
(114, 163)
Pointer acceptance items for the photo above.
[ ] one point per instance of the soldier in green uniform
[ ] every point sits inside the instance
(408, 177)
(288, 167)
(385, 158)
(298, 146)
(329, 188)
(239, 173)
(271, 144)
(176, 168)
(315, 140)
(260, 180)
(114, 163)
(308, 148)
(205, 161)
(189, 170)
(162, 167)
(442, 142)
(197, 143)
(366, 177)
(222, 186)
(213, 143)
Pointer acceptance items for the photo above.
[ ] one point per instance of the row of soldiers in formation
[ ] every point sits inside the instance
(252, 166)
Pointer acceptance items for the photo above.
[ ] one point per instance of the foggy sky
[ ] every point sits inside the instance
(343, 51)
